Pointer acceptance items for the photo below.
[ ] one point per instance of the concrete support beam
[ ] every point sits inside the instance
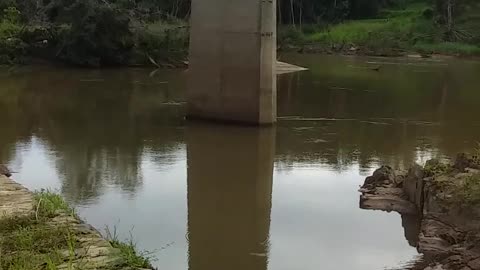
(232, 61)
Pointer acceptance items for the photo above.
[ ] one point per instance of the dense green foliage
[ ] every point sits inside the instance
(93, 32)
(125, 32)
(320, 11)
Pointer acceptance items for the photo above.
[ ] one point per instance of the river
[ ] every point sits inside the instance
(115, 144)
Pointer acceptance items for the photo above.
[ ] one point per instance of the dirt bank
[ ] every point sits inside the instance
(444, 198)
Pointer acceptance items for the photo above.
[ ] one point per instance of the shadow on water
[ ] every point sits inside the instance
(229, 197)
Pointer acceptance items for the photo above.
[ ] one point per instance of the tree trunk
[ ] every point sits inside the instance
(279, 9)
(449, 15)
(292, 12)
(450, 20)
(300, 14)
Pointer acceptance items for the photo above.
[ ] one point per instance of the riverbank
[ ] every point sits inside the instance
(119, 33)
(445, 198)
(112, 36)
(394, 32)
(41, 231)
(90, 34)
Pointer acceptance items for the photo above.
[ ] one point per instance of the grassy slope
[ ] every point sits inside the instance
(406, 30)
(30, 242)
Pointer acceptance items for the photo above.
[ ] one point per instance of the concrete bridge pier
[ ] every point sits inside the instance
(232, 61)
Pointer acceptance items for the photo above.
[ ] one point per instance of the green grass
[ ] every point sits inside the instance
(29, 242)
(348, 32)
(454, 48)
(408, 29)
(128, 250)
(395, 24)
(461, 190)
(469, 192)
(435, 167)
(50, 204)
(32, 242)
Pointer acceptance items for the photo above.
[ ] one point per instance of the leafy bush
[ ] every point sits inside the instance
(5, 4)
(12, 48)
(9, 30)
(472, 190)
(290, 35)
(162, 46)
(11, 14)
(99, 34)
(435, 168)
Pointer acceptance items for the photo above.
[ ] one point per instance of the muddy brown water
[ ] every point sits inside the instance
(207, 197)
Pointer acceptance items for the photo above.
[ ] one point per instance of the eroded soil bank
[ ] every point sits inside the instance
(439, 204)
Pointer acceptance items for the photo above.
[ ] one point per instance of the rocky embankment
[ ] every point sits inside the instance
(440, 208)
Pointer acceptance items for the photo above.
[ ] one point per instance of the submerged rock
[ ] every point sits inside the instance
(382, 191)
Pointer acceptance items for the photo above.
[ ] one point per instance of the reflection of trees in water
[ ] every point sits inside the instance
(15, 129)
(400, 90)
(100, 123)
(343, 144)
(86, 171)
(398, 115)
(98, 129)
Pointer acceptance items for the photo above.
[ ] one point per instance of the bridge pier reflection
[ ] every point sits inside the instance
(230, 171)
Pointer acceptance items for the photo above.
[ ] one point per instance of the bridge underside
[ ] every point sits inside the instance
(233, 61)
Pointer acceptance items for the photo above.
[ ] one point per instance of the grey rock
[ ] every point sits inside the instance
(474, 264)
(384, 175)
(413, 186)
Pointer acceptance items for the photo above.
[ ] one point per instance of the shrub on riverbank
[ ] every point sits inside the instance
(12, 48)
(166, 43)
(458, 183)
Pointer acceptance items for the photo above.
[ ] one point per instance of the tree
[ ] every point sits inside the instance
(449, 11)
(99, 34)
